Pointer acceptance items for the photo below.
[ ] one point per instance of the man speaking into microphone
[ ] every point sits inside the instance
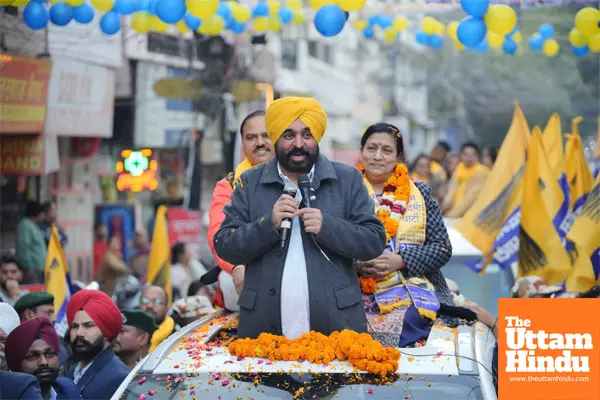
(303, 278)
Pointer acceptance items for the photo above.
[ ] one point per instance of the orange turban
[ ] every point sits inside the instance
(283, 112)
(101, 309)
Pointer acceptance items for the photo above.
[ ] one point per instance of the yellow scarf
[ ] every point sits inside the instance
(419, 178)
(437, 169)
(165, 329)
(463, 175)
(239, 170)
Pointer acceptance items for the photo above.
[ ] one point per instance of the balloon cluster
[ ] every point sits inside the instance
(431, 33)
(497, 23)
(543, 40)
(585, 36)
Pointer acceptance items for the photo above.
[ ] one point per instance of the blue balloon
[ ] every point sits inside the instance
(84, 14)
(35, 16)
(369, 32)
(436, 41)
(143, 5)
(471, 31)
(475, 8)
(224, 11)
(238, 27)
(385, 21)
(422, 38)
(61, 14)
(581, 51)
(171, 11)
(330, 20)
(125, 7)
(286, 14)
(261, 10)
(192, 22)
(547, 31)
(482, 47)
(110, 23)
(509, 46)
(536, 42)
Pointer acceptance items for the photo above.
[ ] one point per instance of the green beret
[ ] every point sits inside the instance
(32, 300)
(139, 319)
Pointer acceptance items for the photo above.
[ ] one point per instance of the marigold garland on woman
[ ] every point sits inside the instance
(361, 350)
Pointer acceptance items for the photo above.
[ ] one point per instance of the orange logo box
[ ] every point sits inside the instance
(549, 349)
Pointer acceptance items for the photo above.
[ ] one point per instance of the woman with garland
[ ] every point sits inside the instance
(404, 286)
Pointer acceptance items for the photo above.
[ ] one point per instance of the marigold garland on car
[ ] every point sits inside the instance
(360, 349)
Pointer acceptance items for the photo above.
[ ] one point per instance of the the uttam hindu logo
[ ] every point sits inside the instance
(548, 349)
(523, 341)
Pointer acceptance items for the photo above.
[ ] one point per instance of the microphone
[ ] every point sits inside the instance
(308, 193)
(286, 223)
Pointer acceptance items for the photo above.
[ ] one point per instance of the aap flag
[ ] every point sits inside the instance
(56, 281)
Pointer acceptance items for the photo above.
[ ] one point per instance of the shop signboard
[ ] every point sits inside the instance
(28, 155)
(23, 94)
(80, 100)
(185, 226)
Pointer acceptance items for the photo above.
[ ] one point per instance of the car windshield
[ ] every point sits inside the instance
(259, 386)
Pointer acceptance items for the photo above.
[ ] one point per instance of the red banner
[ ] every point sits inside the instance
(185, 226)
(22, 155)
(24, 86)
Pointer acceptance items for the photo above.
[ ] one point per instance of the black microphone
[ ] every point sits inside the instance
(286, 224)
(308, 193)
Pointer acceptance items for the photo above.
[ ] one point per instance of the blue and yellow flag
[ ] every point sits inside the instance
(541, 251)
(56, 280)
(159, 263)
(578, 172)
(492, 223)
(585, 251)
(596, 165)
(553, 145)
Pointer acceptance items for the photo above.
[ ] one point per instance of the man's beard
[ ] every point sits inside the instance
(46, 375)
(86, 351)
(302, 167)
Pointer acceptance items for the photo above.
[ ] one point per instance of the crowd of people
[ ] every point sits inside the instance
(301, 244)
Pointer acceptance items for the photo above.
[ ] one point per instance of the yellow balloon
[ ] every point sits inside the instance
(141, 22)
(351, 5)
(586, 21)
(20, 3)
(295, 4)
(576, 38)
(390, 35)
(182, 27)
(316, 4)
(517, 37)
(260, 24)
(400, 24)
(429, 25)
(501, 19)
(6, 3)
(202, 8)
(75, 3)
(274, 7)
(452, 29)
(102, 5)
(440, 29)
(593, 43)
(158, 25)
(495, 41)
(275, 24)
(360, 24)
(298, 17)
(551, 48)
(459, 45)
(241, 13)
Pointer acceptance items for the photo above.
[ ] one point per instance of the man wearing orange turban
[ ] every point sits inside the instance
(299, 250)
(94, 322)
(33, 348)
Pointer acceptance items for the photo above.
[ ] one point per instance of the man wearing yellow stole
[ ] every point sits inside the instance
(466, 183)
(307, 282)
(258, 149)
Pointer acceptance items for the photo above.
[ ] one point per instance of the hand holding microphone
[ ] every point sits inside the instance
(312, 217)
(284, 211)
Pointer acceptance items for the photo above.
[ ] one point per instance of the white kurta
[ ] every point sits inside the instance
(295, 305)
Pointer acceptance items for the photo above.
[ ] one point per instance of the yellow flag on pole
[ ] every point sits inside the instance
(541, 251)
(56, 280)
(501, 195)
(585, 237)
(578, 172)
(159, 263)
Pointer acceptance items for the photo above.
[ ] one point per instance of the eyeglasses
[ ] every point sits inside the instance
(155, 301)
